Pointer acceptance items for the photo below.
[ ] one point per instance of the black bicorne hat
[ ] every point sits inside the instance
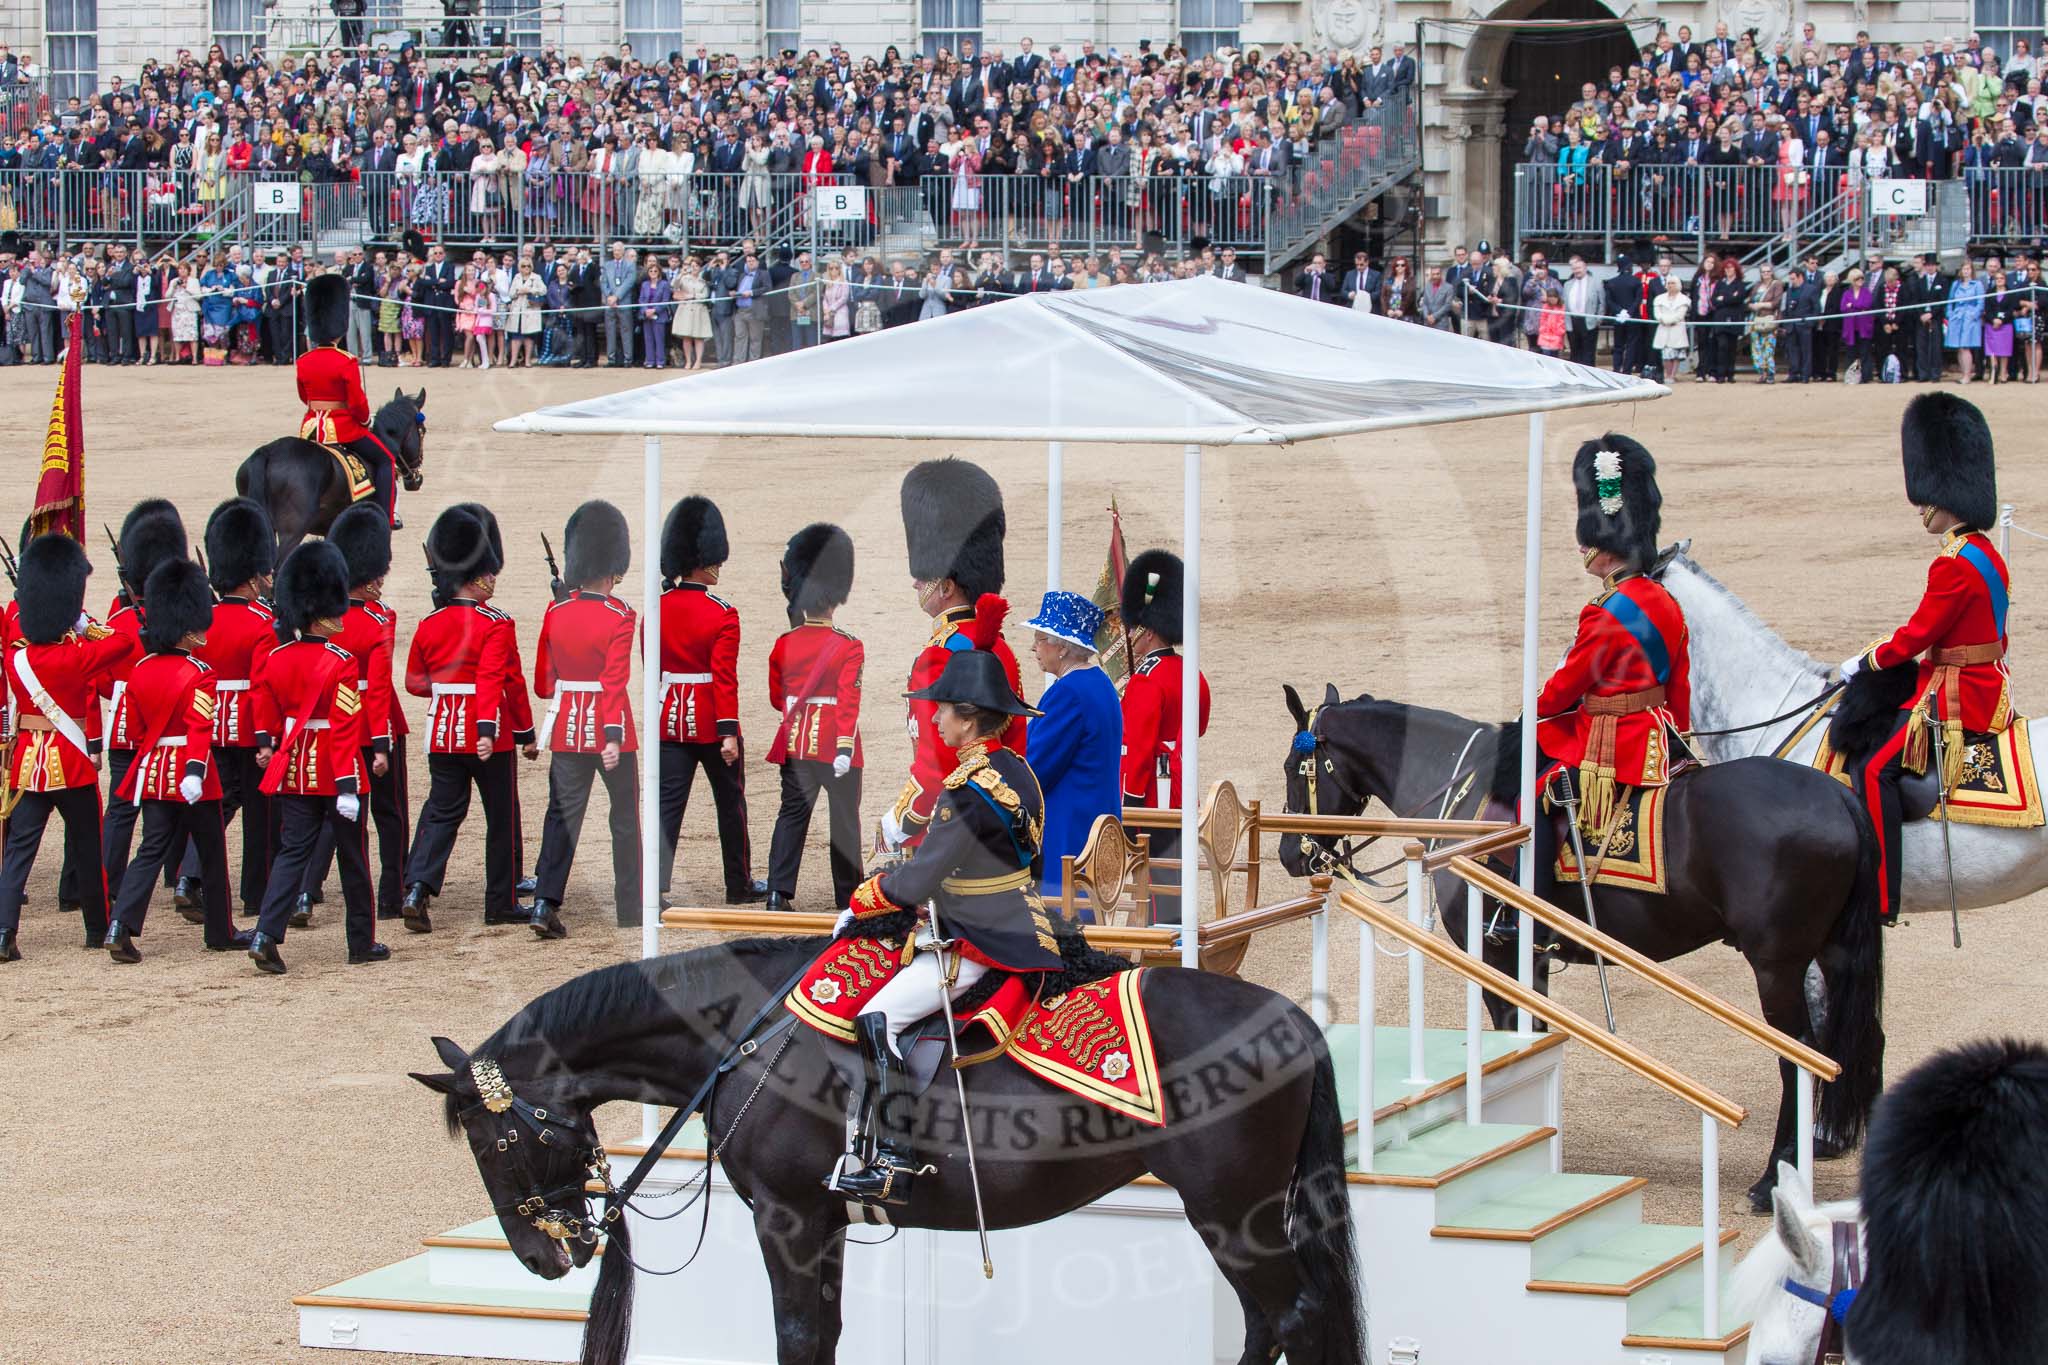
(177, 601)
(363, 535)
(312, 585)
(50, 591)
(327, 306)
(1946, 444)
(1151, 598)
(953, 525)
(693, 538)
(152, 533)
(596, 543)
(817, 568)
(1620, 508)
(240, 544)
(976, 677)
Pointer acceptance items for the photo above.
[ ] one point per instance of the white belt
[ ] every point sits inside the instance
(809, 701)
(547, 725)
(232, 685)
(455, 689)
(678, 679)
(171, 742)
(362, 684)
(120, 690)
(579, 687)
(314, 725)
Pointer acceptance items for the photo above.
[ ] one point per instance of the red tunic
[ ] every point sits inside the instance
(700, 666)
(824, 721)
(1607, 660)
(582, 665)
(1152, 728)
(124, 617)
(931, 759)
(171, 705)
(1957, 612)
(370, 636)
(73, 673)
(466, 657)
(241, 637)
(307, 697)
(329, 374)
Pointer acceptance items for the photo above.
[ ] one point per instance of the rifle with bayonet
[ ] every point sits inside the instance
(555, 583)
(8, 563)
(131, 592)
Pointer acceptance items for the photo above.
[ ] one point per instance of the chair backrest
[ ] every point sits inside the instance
(1111, 873)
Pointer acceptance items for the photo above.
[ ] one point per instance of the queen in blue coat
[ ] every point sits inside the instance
(1076, 748)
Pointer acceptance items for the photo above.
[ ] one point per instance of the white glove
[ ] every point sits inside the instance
(842, 765)
(892, 831)
(81, 623)
(1851, 667)
(191, 788)
(843, 923)
(348, 805)
(1621, 317)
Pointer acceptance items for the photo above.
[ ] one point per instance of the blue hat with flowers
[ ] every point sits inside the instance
(1068, 616)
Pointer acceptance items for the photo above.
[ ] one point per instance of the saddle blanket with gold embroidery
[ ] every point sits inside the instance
(1996, 786)
(1634, 856)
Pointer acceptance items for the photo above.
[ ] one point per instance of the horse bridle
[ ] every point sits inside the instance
(1845, 1279)
(539, 1206)
(1341, 854)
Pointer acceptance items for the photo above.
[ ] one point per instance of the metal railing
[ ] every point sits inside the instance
(1341, 173)
(23, 105)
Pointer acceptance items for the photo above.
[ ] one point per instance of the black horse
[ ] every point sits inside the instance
(1253, 1141)
(301, 485)
(1774, 858)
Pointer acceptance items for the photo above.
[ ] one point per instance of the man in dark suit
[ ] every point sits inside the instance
(379, 166)
(1361, 278)
(1759, 150)
(437, 283)
(1620, 295)
(586, 305)
(1025, 67)
(1036, 279)
(1798, 309)
(1926, 290)
(1315, 284)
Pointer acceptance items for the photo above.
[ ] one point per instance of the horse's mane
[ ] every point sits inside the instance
(1792, 656)
(1761, 1274)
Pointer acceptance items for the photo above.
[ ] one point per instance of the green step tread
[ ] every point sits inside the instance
(1443, 1057)
(1446, 1146)
(408, 1282)
(1681, 1322)
(486, 1228)
(1535, 1203)
(1626, 1256)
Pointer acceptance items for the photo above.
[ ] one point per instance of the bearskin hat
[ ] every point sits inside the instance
(817, 568)
(596, 543)
(312, 585)
(1947, 448)
(50, 592)
(1151, 598)
(153, 533)
(490, 522)
(176, 601)
(693, 538)
(460, 547)
(1620, 508)
(363, 535)
(975, 676)
(953, 524)
(1953, 1206)
(240, 544)
(327, 305)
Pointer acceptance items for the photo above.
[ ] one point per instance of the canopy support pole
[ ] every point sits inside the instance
(650, 711)
(1190, 706)
(1055, 494)
(1532, 573)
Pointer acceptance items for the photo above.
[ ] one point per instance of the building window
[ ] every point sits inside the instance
(71, 33)
(781, 22)
(2000, 22)
(238, 26)
(520, 22)
(949, 23)
(1206, 25)
(654, 28)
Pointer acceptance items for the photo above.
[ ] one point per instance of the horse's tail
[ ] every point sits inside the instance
(1320, 1203)
(611, 1301)
(1852, 964)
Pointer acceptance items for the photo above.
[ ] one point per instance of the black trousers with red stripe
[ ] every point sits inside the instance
(569, 781)
(300, 820)
(201, 830)
(80, 809)
(679, 765)
(117, 823)
(390, 810)
(241, 787)
(450, 778)
(1877, 782)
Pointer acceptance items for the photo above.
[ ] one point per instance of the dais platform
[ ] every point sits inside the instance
(1473, 1243)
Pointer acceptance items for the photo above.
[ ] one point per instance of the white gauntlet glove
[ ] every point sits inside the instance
(843, 923)
(348, 805)
(842, 765)
(892, 831)
(191, 788)
(1851, 667)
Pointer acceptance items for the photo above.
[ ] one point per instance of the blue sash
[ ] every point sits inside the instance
(1973, 554)
(1632, 619)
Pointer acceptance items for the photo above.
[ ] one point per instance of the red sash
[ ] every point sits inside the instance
(295, 725)
(126, 791)
(791, 710)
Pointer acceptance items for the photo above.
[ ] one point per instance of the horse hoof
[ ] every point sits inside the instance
(1760, 1198)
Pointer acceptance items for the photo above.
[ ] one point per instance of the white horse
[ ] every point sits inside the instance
(1742, 672)
(1785, 1285)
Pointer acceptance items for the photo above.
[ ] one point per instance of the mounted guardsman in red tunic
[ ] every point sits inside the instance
(971, 882)
(1611, 715)
(1957, 634)
(331, 385)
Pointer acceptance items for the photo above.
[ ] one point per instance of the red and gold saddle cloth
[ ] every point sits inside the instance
(1995, 783)
(1091, 1041)
(1634, 845)
(353, 471)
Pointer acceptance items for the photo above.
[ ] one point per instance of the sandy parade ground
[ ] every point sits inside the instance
(189, 1144)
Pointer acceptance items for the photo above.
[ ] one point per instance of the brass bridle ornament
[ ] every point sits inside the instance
(539, 1207)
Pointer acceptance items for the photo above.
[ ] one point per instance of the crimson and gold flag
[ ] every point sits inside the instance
(1113, 641)
(60, 490)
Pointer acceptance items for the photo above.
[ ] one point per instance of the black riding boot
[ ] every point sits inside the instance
(887, 1177)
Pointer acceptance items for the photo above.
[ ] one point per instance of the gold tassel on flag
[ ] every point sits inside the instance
(1112, 640)
(60, 486)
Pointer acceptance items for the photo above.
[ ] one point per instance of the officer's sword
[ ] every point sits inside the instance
(1571, 815)
(1948, 853)
(949, 972)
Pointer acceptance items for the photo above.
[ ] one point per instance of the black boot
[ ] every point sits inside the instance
(544, 920)
(363, 957)
(263, 952)
(120, 946)
(887, 1178)
(186, 897)
(414, 910)
(749, 894)
(302, 912)
(779, 903)
(10, 946)
(239, 940)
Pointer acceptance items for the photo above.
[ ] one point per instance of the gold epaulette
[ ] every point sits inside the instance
(96, 631)
(969, 766)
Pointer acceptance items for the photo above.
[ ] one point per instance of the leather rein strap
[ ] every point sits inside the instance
(1845, 1280)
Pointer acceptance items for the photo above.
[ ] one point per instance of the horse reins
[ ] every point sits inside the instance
(1845, 1281)
(1804, 708)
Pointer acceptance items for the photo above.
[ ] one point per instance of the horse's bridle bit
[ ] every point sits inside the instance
(495, 1094)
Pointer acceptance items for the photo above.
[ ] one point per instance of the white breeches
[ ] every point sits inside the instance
(914, 992)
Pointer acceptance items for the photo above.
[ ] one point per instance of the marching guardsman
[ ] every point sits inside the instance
(58, 663)
(1154, 585)
(172, 705)
(153, 534)
(700, 694)
(308, 699)
(369, 631)
(953, 524)
(582, 665)
(977, 866)
(331, 385)
(1958, 632)
(465, 656)
(240, 550)
(1612, 714)
(814, 682)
